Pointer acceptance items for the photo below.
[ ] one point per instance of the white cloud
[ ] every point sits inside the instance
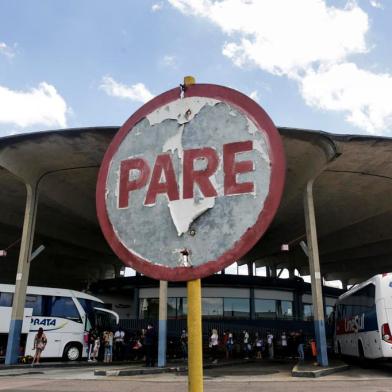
(156, 7)
(284, 37)
(309, 42)
(376, 4)
(38, 106)
(169, 61)
(6, 50)
(137, 92)
(366, 97)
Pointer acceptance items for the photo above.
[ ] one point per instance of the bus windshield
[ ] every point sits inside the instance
(97, 316)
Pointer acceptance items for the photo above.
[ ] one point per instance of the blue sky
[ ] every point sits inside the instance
(312, 64)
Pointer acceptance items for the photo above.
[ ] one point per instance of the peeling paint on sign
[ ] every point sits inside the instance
(170, 130)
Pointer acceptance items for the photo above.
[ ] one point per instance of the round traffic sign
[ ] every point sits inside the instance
(190, 182)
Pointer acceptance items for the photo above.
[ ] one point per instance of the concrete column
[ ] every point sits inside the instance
(252, 303)
(314, 266)
(250, 269)
(268, 271)
(297, 305)
(22, 276)
(135, 303)
(162, 323)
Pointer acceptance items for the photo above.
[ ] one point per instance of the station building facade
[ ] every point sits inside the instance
(230, 302)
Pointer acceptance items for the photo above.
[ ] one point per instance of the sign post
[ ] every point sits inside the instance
(162, 333)
(195, 344)
(188, 185)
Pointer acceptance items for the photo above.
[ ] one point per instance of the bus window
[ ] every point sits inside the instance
(35, 302)
(63, 307)
(6, 299)
(89, 305)
(95, 319)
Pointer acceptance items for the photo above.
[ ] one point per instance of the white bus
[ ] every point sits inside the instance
(65, 315)
(363, 319)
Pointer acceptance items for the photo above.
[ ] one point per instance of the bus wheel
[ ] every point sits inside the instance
(72, 352)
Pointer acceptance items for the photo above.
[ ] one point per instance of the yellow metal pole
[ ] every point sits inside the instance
(195, 344)
(195, 349)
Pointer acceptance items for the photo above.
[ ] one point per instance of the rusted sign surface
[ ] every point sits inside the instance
(190, 183)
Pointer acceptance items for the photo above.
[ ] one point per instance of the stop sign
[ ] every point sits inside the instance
(190, 182)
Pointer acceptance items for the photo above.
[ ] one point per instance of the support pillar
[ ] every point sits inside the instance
(135, 303)
(267, 271)
(314, 267)
(252, 303)
(273, 271)
(22, 276)
(162, 337)
(250, 269)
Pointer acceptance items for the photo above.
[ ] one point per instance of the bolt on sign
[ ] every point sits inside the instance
(190, 182)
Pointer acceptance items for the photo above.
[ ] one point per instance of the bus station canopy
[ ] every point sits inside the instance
(352, 192)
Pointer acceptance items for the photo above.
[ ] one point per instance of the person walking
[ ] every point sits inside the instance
(92, 335)
(119, 344)
(149, 344)
(184, 345)
(259, 345)
(40, 341)
(292, 345)
(283, 343)
(229, 345)
(300, 345)
(270, 343)
(108, 346)
(213, 344)
(97, 345)
(246, 343)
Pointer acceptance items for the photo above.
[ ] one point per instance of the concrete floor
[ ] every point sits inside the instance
(263, 376)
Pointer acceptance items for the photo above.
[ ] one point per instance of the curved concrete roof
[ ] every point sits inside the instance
(352, 200)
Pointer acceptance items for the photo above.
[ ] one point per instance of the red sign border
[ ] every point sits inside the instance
(250, 237)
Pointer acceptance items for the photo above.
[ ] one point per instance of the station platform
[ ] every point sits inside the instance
(305, 369)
